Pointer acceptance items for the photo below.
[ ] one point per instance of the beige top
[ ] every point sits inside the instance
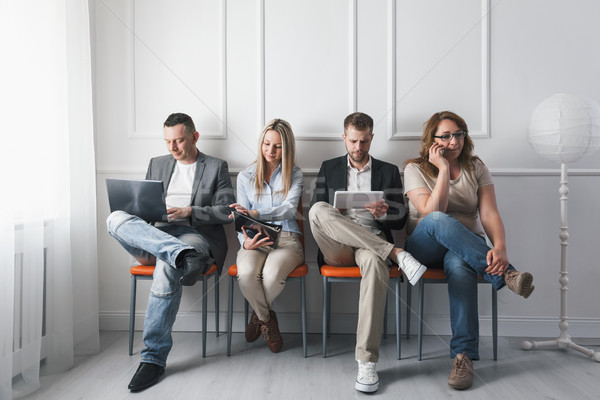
(462, 198)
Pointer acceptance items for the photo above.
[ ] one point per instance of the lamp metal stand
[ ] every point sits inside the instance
(564, 340)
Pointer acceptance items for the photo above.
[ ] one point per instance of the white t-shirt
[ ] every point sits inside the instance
(463, 203)
(179, 192)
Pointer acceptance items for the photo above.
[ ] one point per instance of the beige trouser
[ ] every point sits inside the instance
(262, 272)
(343, 243)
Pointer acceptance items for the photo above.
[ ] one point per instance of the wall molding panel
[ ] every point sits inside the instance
(266, 70)
(217, 110)
(402, 131)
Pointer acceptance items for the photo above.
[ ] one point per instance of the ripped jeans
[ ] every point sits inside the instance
(159, 246)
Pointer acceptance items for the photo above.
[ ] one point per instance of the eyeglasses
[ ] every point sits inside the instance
(446, 137)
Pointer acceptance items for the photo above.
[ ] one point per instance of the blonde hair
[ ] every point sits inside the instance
(288, 157)
(466, 157)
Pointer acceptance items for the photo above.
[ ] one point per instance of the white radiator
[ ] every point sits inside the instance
(20, 337)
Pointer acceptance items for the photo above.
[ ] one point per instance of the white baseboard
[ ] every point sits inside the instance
(346, 324)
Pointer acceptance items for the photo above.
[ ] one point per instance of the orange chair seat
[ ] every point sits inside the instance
(148, 270)
(143, 270)
(299, 271)
(437, 273)
(434, 273)
(351, 272)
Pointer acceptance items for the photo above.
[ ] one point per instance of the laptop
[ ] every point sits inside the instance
(143, 198)
(351, 200)
(253, 227)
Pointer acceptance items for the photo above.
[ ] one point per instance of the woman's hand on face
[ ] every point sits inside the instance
(257, 241)
(436, 155)
(497, 262)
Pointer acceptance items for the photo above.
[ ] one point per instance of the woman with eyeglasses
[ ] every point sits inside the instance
(452, 208)
(269, 190)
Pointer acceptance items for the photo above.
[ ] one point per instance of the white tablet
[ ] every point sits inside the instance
(346, 199)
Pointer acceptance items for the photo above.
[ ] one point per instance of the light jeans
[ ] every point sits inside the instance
(262, 272)
(159, 246)
(344, 243)
(440, 239)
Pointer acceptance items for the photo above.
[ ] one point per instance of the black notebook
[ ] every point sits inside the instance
(254, 226)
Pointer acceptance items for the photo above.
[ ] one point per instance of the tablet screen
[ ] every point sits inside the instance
(345, 200)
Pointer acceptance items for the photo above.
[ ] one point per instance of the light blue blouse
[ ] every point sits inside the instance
(271, 206)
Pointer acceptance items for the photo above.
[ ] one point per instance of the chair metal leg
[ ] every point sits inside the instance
(204, 314)
(420, 333)
(397, 318)
(217, 303)
(385, 316)
(132, 312)
(495, 322)
(303, 305)
(328, 308)
(246, 312)
(408, 307)
(229, 315)
(325, 316)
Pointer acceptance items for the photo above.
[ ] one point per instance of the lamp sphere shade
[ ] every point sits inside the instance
(564, 127)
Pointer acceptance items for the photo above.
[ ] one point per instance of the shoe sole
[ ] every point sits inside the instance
(191, 278)
(524, 285)
(361, 387)
(528, 293)
(459, 387)
(417, 275)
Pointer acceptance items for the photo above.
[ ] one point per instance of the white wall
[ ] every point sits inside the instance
(233, 64)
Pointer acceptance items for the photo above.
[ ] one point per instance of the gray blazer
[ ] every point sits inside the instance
(212, 192)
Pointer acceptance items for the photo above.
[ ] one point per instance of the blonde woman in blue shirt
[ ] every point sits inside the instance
(269, 190)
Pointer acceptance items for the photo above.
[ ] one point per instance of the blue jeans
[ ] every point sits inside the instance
(440, 239)
(159, 246)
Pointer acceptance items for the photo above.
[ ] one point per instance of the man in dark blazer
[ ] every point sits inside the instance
(362, 236)
(199, 190)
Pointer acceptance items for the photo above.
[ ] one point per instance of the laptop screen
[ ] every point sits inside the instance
(143, 198)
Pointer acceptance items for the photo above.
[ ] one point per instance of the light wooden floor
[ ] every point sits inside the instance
(253, 372)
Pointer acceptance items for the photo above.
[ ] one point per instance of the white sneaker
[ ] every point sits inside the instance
(367, 379)
(411, 267)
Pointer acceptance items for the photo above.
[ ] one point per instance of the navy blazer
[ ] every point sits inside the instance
(333, 176)
(212, 193)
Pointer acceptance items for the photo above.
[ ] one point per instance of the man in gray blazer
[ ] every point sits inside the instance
(199, 190)
(362, 236)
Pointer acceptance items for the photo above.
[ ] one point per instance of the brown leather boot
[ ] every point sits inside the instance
(253, 328)
(519, 282)
(270, 331)
(461, 376)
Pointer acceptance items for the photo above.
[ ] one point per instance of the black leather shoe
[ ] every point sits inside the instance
(194, 265)
(146, 375)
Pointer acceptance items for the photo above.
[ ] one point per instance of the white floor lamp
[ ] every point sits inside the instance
(563, 128)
